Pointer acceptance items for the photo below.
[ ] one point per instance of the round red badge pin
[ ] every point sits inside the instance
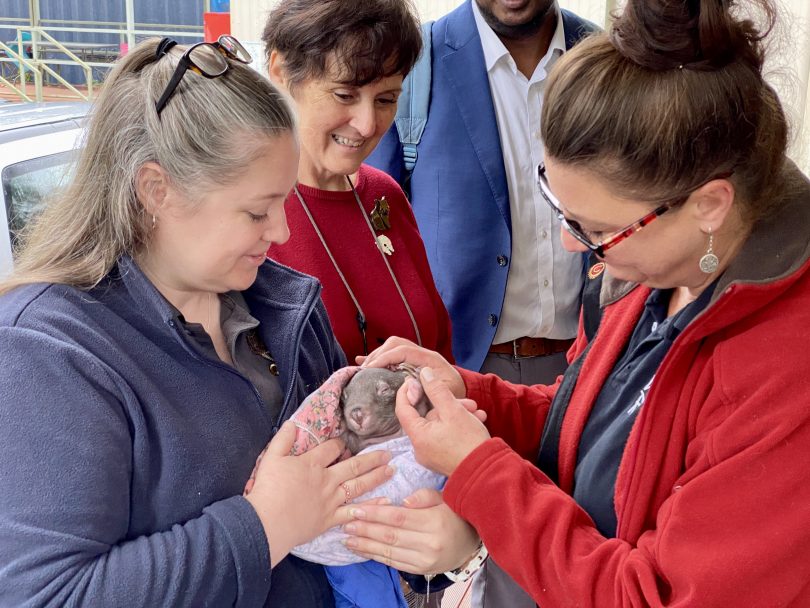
(596, 270)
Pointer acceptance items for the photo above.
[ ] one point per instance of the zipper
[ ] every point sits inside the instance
(218, 364)
(632, 458)
(308, 310)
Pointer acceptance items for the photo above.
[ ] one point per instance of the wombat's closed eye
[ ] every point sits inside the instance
(368, 403)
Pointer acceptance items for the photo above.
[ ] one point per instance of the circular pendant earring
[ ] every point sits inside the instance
(709, 262)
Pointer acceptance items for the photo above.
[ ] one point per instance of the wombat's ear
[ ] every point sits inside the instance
(385, 390)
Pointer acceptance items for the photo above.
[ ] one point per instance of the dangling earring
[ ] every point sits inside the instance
(154, 222)
(709, 262)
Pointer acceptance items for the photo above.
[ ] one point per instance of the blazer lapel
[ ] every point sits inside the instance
(463, 60)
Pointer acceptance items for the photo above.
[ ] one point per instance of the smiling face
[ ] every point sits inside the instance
(217, 244)
(339, 124)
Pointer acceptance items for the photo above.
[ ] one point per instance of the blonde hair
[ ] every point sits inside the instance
(208, 133)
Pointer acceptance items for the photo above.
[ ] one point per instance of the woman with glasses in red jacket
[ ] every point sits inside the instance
(668, 466)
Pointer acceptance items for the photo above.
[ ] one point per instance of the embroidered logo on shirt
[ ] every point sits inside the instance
(642, 397)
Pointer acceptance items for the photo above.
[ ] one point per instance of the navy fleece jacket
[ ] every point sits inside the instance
(125, 449)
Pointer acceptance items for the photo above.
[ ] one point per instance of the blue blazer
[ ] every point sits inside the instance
(458, 187)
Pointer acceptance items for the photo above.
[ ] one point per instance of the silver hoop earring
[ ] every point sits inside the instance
(709, 262)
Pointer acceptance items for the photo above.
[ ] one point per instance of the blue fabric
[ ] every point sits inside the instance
(125, 449)
(412, 108)
(458, 187)
(366, 585)
(622, 396)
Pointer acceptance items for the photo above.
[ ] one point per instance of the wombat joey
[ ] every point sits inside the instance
(368, 402)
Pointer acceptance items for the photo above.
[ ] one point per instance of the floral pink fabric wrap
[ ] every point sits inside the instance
(319, 417)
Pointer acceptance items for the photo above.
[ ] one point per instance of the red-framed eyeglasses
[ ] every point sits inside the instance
(574, 229)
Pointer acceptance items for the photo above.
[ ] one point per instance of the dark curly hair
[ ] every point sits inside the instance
(369, 39)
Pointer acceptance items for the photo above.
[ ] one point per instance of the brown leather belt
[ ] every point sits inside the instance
(531, 347)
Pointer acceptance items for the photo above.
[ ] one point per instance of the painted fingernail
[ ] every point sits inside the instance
(427, 374)
(357, 513)
(350, 528)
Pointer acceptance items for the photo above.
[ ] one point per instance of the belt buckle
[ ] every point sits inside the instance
(515, 351)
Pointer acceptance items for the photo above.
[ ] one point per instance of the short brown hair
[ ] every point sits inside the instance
(670, 98)
(370, 39)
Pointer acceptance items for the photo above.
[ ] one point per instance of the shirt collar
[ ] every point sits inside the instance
(494, 49)
(657, 306)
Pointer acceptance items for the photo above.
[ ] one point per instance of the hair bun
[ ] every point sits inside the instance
(694, 34)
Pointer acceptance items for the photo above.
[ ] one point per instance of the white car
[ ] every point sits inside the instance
(37, 151)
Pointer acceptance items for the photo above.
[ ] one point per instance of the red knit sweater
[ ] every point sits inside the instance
(346, 233)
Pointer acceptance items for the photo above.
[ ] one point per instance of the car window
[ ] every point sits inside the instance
(28, 184)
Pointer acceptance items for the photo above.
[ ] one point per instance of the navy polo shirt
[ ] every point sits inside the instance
(622, 397)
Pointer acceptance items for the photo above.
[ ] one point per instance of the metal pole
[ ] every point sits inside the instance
(34, 15)
(130, 4)
(33, 12)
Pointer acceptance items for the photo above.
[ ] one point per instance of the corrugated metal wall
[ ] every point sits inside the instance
(185, 13)
(14, 8)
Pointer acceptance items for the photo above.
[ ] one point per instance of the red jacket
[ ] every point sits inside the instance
(713, 492)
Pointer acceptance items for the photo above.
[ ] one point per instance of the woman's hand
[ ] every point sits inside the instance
(299, 497)
(423, 537)
(399, 350)
(448, 433)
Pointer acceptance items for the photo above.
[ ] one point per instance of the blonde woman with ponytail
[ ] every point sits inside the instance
(669, 467)
(149, 352)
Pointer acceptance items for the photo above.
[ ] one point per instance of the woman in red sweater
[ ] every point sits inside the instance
(351, 225)
(669, 467)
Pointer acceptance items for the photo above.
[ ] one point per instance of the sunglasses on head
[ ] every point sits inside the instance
(209, 59)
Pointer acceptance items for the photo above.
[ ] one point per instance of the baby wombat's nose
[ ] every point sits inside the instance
(357, 415)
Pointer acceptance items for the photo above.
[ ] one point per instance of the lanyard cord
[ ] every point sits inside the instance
(387, 264)
(361, 318)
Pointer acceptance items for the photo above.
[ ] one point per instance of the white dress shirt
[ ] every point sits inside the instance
(542, 290)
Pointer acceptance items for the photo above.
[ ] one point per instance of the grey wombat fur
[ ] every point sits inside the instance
(368, 402)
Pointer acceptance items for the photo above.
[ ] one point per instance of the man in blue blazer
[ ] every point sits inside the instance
(459, 188)
(493, 244)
